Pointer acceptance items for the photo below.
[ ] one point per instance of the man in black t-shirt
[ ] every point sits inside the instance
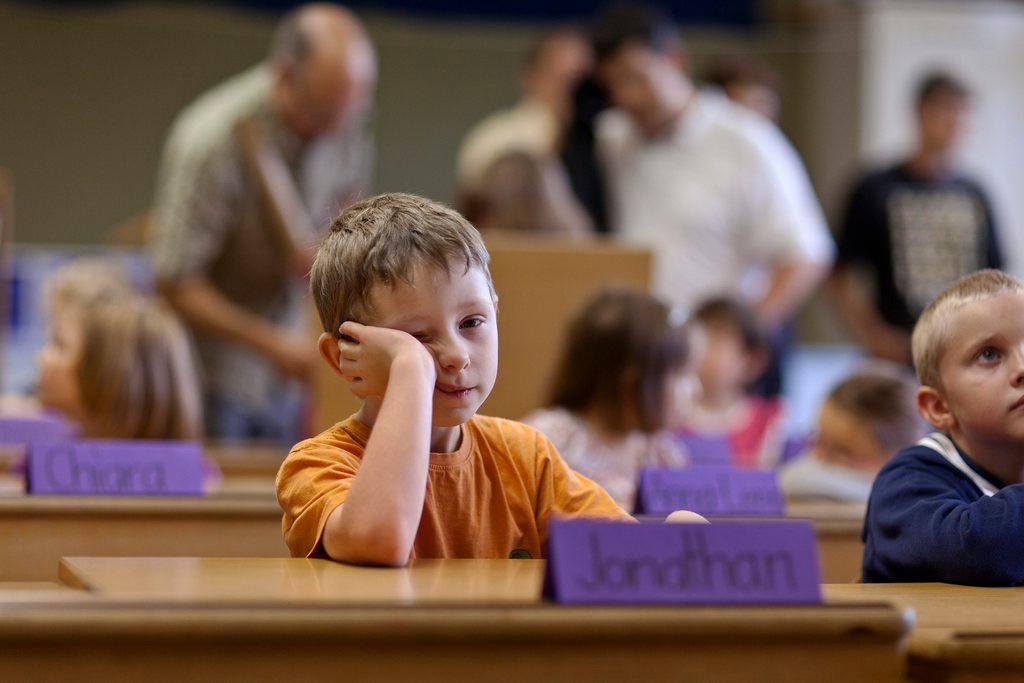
(911, 230)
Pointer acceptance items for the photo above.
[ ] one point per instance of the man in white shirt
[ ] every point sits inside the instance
(717, 190)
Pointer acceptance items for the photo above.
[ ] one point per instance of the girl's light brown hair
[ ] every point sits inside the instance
(136, 372)
(619, 353)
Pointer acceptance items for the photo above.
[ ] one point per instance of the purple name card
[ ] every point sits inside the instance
(724, 563)
(25, 430)
(709, 491)
(707, 450)
(115, 468)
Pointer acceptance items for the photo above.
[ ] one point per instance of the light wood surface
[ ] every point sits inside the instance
(838, 527)
(540, 283)
(511, 643)
(300, 580)
(962, 633)
(435, 620)
(942, 605)
(39, 530)
(967, 656)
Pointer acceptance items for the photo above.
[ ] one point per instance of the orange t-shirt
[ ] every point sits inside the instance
(490, 498)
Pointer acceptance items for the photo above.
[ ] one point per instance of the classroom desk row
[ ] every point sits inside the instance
(207, 618)
(39, 530)
(451, 620)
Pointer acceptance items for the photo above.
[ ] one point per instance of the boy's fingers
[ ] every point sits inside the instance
(351, 330)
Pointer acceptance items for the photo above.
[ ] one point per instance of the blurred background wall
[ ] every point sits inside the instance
(88, 90)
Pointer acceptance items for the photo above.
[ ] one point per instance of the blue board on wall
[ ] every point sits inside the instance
(727, 12)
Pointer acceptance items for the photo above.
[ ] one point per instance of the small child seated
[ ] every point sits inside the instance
(415, 472)
(121, 367)
(624, 369)
(951, 507)
(115, 363)
(863, 421)
(735, 354)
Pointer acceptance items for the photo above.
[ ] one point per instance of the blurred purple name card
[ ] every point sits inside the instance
(709, 491)
(25, 430)
(115, 468)
(728, 563)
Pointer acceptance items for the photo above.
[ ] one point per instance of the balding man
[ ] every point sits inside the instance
(251, 170)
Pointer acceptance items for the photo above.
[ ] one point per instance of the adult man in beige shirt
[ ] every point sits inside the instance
(252, 171)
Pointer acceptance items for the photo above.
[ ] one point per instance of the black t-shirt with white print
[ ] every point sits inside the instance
(916, 237)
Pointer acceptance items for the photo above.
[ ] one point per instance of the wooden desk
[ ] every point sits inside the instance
(963, 633)
(942, 605)
(990, 655)
(248, 468)
(838, 527)
(435, 620)
(39, 530)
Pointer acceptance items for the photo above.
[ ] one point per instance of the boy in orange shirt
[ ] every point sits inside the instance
(416, 473)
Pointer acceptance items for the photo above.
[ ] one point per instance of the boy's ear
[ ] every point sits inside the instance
(330, 352)
(934, 409)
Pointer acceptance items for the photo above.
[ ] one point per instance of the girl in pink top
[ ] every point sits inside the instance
(735, 354)
(625, 369)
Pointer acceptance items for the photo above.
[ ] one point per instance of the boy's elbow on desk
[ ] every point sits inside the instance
(369, 545)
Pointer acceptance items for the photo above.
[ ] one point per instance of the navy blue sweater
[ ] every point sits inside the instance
(928, 521)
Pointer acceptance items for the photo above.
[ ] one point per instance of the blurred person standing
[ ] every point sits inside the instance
(912, 229)
(549, 76)
(251, 171)
(716, 189)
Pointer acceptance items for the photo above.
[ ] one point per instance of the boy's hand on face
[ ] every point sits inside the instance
(370, 353)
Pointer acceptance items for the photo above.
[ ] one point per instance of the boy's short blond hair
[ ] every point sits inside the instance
(932, 329)
(381, 240)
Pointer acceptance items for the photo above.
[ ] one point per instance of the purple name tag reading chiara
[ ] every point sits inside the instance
(709, 491)
(115, 468)
(728, 563)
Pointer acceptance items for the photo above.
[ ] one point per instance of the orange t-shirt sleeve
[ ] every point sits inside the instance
(563, 491)
(314, 479)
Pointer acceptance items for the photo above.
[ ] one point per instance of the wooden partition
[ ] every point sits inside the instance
(540, 284)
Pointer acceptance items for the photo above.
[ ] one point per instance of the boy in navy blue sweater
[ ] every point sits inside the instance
(951, 507)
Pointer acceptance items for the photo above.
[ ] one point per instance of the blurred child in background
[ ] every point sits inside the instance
(116, 363)
(121, 368)
(625, 369)
(522, 192)
(865, 419)
(735, 354)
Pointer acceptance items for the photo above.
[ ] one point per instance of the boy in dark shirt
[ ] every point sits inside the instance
(951, 507)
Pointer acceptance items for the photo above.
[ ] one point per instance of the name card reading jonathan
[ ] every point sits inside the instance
(709, 491)
(25, 430)
(115, 468)
(602, 562)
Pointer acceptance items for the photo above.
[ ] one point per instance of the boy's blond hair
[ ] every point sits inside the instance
(932, 329)
(136, 372)
(381, 240)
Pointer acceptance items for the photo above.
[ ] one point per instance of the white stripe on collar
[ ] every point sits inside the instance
(943, 445)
